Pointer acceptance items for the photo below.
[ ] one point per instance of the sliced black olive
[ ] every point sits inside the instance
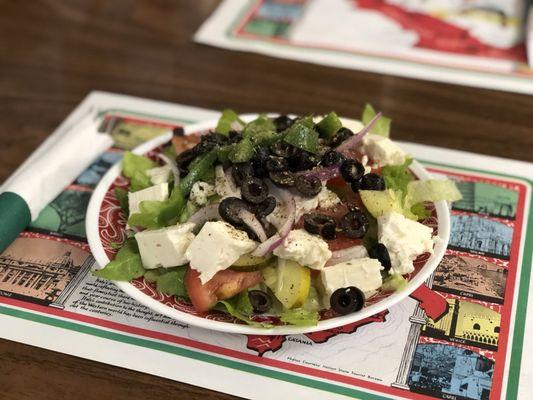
(204, 146)
(229, 210)
(259, 162)
(283, 122)
(265, 207)
(260, 301)
(240, 172)
(332, 157)
(354, 224)
(283, 178)
(380, 253)
(178, 131)
(276, 164)
(282, 149)
(308, 186)
(329, 231)
(214, 137)
(302, 160)
(341, 135)
(320, 224)
(372, 181)
(352, 170)
(254, 190)
(347, 300)
(355, 186)
(184, 159)
(234, 136)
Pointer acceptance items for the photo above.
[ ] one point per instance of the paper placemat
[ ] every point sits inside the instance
(478, 43)
(48, 298)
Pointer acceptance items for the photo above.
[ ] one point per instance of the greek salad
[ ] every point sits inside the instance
(278, 220)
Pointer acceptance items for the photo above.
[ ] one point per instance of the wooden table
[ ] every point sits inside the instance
(52, 53)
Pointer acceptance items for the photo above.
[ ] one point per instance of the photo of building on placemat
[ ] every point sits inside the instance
(485, 198)
(471, 277)
(45, 275)
(480, 235)
(466, 322)
(65, 215)
(449, 372)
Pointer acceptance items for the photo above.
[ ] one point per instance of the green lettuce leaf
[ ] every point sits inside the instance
(126, 266)
(397, 177)
(432, 190)
(134, 167)
(299, 317)
(227, 118)
(232, 307)
(122, 197)
(151, 274)
(158, 214)
(382, 126)
(420, 211)
(172, 282)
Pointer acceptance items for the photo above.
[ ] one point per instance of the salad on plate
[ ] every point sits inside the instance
(283, 220)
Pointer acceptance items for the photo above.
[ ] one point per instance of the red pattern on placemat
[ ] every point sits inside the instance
(436, 34)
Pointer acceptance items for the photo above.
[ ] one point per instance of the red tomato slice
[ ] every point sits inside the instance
(223, 285)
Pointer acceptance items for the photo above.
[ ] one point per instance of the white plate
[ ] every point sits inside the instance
(443, 218)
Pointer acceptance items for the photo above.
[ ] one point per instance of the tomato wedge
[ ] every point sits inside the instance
(223, 285)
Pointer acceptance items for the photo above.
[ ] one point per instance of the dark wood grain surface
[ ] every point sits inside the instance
(52, 53)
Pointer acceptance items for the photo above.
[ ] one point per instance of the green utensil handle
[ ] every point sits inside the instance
(15, 216)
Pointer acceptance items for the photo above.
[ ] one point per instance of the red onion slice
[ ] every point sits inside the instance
(352, 141)
(274, 241)
(324, 174)
(204, 214)
(347, 254)
(173, 168)
(251, 220)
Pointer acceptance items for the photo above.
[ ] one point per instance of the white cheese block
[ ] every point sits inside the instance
(200, 192)
(404, 239)
(327, 198)
(159, 175)
(165, 247)
(216, 247)
(156, 193)
(363, 273)
(306, 249)
(382, 150)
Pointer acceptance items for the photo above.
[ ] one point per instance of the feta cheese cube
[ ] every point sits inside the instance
(165, 247)
(363, 273)
(306, 249)
(156, 193)
(159, 174)
(216, 247)
(327, 198)
(382, 150)
(200, 191)
(405, 240)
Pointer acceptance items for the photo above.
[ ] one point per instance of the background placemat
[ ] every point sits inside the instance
(462, 42)
(48, 297)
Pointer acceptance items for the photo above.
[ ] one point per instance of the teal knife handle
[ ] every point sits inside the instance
(15, 216)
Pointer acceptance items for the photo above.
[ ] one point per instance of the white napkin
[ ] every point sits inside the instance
(57, 162)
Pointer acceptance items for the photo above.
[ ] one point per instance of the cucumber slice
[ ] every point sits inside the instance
(290, 282)
(248, 262)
